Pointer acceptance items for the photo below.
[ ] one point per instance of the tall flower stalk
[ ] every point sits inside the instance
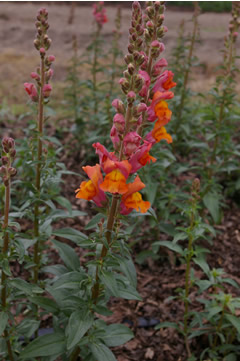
(99, 13)
(7, 172)
(189, 255)
(40, 95)
(225, 82)
(130, 144)
(188, 66)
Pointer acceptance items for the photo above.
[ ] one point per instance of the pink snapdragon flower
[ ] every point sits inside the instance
(99, 13)
(115, 137)
(147, 80)
(158, 67)
(164, 82)
(119, 122)
(141, 157)
(131, 143)
(32, 91)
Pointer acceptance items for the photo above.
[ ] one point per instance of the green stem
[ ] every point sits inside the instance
(188, 68)
(187, 281)
(219, 326)
(5, 250)
(94, 69)
(38, 171)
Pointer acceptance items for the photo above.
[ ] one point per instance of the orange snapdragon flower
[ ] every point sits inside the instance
(168, 84)
(146, 159)
(132, 199)
(86, 191)
(163, 113)
(90, 190)
(159, 133)
(114, 182)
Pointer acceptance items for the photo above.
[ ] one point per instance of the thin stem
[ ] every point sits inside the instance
(219, 325)
(5, 250)
(187, 279)
(188, 68)
(75, 354)
(38, 171)
(112, 213)
(94, 69)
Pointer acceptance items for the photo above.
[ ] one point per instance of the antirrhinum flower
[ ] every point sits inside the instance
(99, 13)
(143, 79)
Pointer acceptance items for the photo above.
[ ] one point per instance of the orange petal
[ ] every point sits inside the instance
(86, 191)
(161, 133)
(134, 187)
(146, 158)
(135, 201)
(114, 182)
(94, 173)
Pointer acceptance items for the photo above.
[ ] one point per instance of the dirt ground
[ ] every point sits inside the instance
(18, 57)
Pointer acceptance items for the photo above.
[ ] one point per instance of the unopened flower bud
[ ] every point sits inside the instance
(150, 25)
(3, 170)
(51, 58)
(8, 144)
(141, 108)
(119, 106)
(130, 48)
(138, 82)
(37, 44)
(119, 122)
(131, 68)
(12, 171)
(12, 153)
(35, 76)
(131, 96)
(47, 88)
(6, 181)
(42, 51)
(126, 74)
(150, 12)
(128, 58)
(5, 160)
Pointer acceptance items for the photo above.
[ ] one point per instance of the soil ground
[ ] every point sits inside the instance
(18, 57)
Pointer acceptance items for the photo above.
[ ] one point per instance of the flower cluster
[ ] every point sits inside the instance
(99, 13)
(8, 156)
(144, 79)
(42, 44)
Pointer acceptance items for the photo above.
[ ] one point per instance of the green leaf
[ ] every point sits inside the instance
(128, 268)
(3, 321)
(71, 234)
(27, 327)
(117, 335)
(47, 345)
(70, 280)
(167, 325)
(128, 292)
(102, 352)
(235, 321)
(110, 282)
(94, 221)
(46, 303)
(68, 255)
(64, 202)
(213, 311)
(211, 201)
(172, 246)
(25, 287)
(79, 323)
(201, 262)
